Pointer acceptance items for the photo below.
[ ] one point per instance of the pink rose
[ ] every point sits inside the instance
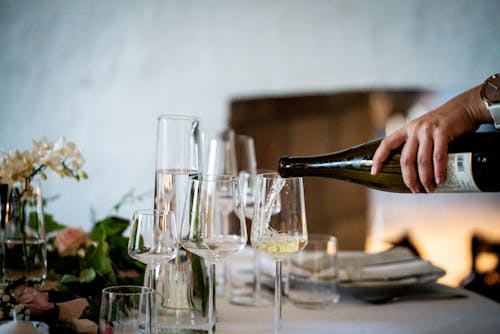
(72, 309)
(69, 240)
(37, 302)
(128, 273)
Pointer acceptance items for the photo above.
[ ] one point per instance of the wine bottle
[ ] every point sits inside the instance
(473, 166)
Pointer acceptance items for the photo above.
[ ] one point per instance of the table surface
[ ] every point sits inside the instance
(471, 314)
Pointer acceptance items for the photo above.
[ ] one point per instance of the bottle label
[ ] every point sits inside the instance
(459, 177)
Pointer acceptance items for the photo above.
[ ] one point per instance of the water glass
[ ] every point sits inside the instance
(183, 282)
(127, 309)
(313, 273)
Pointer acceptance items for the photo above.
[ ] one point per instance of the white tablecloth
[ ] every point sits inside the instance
(473, 314)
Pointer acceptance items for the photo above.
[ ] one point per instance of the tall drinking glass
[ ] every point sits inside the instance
(127, 309)
(282, 234)
(182, 282)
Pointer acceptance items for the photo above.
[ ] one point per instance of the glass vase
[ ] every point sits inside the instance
(23, 236)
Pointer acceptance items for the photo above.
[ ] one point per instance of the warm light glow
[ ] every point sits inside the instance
(439, 225)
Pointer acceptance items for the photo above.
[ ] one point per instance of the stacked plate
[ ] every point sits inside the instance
(371, 276)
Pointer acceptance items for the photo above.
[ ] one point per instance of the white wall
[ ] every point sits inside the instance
(100, 72)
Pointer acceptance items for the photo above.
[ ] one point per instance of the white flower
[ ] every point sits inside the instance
(81, 253)
(19, 168)
(18, 308)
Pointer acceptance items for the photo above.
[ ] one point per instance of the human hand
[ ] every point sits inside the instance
(425, 140)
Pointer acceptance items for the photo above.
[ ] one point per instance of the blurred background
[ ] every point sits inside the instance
(101, 72)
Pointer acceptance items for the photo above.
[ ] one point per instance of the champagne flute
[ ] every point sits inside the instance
(282, 234)
(153, 239)
(207, 229)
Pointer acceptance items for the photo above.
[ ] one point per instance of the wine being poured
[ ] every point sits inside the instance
(473, 164)
(282, 234)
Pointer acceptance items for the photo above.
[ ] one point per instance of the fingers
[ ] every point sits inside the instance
(384, 150)
(425, 141)
(408, 164)
(423, 159)
(425, 163)
(423, 156)
(440, 158)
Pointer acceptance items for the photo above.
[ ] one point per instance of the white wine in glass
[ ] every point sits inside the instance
(280, 234)
(248, 182)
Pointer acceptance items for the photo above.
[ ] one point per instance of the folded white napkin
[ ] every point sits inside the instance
(357, 266)
(396, 263)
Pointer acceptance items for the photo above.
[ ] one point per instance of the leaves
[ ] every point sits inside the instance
(102, 262)
(109, 227)
(87, 275)
(50, 224)
(68, 278)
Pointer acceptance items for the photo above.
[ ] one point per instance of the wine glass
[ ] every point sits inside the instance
(153, 239)
(213, 224)
(282, 234)
(221, 154)
(222, 160)
(248, 183)
(246, 167)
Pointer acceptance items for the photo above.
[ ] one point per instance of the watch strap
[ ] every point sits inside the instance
(495, 113)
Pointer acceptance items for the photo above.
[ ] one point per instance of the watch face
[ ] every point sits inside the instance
(490, 91)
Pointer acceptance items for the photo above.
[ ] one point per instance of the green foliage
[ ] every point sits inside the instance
(99, 263)
(50, 224)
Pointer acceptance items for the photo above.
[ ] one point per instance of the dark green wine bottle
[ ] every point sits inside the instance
(473, 166)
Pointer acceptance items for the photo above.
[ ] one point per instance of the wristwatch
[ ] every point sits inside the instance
(490, 93)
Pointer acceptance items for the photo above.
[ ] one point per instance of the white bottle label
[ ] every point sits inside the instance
(459, 176)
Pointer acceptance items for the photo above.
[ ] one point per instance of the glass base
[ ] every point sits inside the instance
(250, 300)
(181, 331)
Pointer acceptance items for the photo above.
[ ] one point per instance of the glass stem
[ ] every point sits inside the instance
(277, 300)
(150, 276)
(211, 298)
(257, 279)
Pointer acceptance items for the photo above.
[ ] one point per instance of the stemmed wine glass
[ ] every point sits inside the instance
(213, 224)
(248, 182)
(153, 239)
(282, 234)
(221, 154)
(222, 160)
